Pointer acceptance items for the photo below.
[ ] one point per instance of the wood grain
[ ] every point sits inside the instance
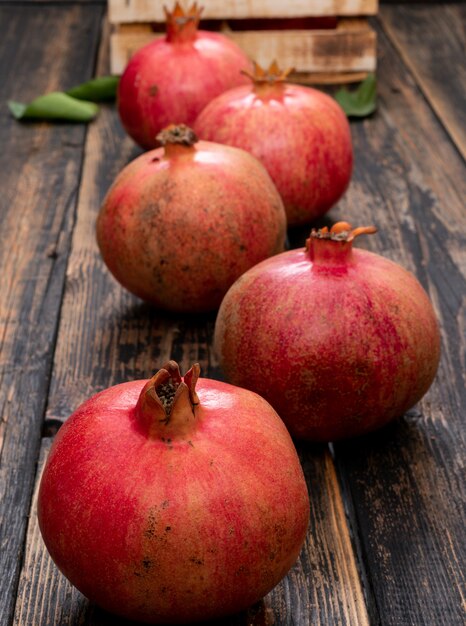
(349, 48)
(434, 51)
(121, 11)
(106, 336)
(39, 180)
(405, 485)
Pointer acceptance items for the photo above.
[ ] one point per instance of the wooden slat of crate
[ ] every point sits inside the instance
(131, 11)
(351, 47)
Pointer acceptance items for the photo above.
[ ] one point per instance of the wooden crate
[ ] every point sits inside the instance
(326, 41)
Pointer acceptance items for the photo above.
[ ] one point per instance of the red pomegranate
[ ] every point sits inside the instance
(300, 134)
(167, 501)
(181, 223)
(339, 341)
(171, 79)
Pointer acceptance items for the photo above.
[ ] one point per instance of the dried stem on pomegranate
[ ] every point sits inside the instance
(272, 75)
(182, 25)
(166, 405)
(177, 134)
(341, 231)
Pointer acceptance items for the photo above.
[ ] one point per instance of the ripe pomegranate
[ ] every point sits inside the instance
(170, 501)
(172, 79)
(300, 134)
(339, 341)
(181, 223)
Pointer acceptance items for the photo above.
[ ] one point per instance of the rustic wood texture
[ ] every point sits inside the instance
(39, 180)
(121, 11)
(351, 47)
(106, 336)
(405, 485)
(434, 51)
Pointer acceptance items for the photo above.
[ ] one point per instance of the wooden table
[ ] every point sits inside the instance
(386, 542)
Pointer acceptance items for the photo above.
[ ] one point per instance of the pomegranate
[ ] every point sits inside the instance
(339, 341)
(181, 223)
(172, 79)
(300, 134)
(170, 501)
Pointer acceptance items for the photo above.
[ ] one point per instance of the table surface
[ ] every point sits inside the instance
(386, 542)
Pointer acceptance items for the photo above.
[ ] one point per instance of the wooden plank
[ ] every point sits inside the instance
(349, 48)
(326, 78)
(39, 178)
(434, 52)
(102, 2)
(121, 11)
(406, 483)
(345, 49)
(107, 336)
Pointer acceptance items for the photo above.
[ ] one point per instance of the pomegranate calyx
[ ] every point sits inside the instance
(272, 75)
(182, 25)
(166, 405)
(178, 134)
(341, 231)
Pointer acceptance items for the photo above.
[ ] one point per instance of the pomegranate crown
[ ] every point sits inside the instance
(182, 24)
(167, 403)
(177, 134)
(341, 231)
(167, 385)
(180, 16)
(273, 74)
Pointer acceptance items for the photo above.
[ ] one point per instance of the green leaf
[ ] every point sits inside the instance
(97, 90)
(360, 102)
(17, 108)
(55, 106)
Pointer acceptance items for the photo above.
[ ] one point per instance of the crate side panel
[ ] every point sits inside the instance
(341, 50)
(127, 11)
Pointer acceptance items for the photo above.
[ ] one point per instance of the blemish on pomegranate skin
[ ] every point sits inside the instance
(241, 569)
(150, 533)
(153, 90)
